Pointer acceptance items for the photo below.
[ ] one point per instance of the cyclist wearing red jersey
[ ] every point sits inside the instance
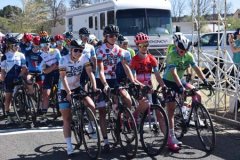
(142, 65)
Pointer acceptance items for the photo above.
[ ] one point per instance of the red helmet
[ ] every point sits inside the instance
(141, 38)
(36, 40)
(58, 37)
(27, 37)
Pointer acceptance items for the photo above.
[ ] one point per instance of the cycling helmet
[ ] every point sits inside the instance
(121, 38)
(45, 40)
(12, 40)
(141, 38)
(58, 37)
(36, 40)
(181, 41)
(84, 30)
(91, 38)
(52, 39)
(111, 29)
(77, 44)
(68, 35)
(27, 37)
(43, 34)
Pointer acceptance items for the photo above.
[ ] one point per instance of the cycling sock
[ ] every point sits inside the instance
(69, 143)
(105, 140)
(171, 132)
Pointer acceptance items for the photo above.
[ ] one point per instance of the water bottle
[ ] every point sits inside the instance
(185, 111)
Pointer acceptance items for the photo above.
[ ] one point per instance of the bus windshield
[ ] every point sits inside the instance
(154, 22)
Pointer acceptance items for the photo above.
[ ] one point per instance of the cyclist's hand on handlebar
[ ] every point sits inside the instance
(97, 91)
(69, 96)
(106, 89)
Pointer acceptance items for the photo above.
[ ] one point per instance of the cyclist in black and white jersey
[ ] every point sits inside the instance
(71, 67)
(13, 66)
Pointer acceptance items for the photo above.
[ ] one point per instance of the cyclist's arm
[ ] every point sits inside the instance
(159, 78)
(199, 72)
(176, 77)
(127, 70)
(135, 77)
(88, 68)
(101, 72)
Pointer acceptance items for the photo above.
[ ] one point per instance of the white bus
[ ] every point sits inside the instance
(152, 17)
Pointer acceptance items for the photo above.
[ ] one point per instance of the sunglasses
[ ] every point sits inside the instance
(77, 50)
(125, 43)
(44, 45)
(112, 35)
(15, 45)
(84, 35)
(141, 45)
(59, 42)
(36, 47)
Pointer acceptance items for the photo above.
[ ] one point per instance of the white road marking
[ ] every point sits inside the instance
(24, 130)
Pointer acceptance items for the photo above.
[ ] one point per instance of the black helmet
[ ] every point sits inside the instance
(77, 44)
(111, 29)
(84, 30)
(68, 35)
(44, 39)
(12, 40)
(121, 38)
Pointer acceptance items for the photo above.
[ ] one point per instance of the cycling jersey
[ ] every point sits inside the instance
(33, 61)
(132, 52)
(50, 58)
(181, 63)
(110, 58)
(25, 47)
(89, 50)
(73, 70)
(12, 63)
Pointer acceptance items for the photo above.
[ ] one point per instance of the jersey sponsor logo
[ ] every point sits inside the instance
(74, 71)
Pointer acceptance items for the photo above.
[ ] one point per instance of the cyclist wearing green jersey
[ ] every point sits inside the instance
(177, 61)
(123, 43)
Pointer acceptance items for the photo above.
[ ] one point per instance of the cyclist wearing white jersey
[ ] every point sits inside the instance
(71, 67)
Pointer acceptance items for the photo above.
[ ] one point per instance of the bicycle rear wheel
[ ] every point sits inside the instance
(154, 130)
(204, 127)
(127, 132)
(19, 106)
(91, 135)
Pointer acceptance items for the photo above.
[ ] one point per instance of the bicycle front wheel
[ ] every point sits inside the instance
(127, 132)
(91, 135)
(154, 130)
(204, 127)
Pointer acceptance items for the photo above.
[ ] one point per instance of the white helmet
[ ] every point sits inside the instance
(181, 41)
(91, 38)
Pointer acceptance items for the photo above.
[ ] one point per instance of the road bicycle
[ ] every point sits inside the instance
(84, 126)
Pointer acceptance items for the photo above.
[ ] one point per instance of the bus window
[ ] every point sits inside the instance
(96, 25)
(110, 17)
(102, 20)
(90, 22)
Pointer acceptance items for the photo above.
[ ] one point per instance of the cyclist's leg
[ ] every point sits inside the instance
(29, 85)
(171, 105)
(65, 110)
(47, 84)
(101, 106)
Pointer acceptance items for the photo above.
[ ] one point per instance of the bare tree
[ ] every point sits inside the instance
(57, 10)
(78, 3)
(178, 8)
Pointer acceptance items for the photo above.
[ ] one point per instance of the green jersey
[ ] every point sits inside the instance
(132, 52)
(181, 63)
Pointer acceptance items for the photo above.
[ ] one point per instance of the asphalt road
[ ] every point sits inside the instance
(47, 143)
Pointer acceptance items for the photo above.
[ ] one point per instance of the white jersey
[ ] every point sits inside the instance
(50, 58)
(73, 70)
(89, 51)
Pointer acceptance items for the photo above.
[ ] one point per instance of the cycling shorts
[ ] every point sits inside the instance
(9, 83)
(62, 98)
(50, 79)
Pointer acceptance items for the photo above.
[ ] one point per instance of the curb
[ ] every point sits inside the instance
(223, 120)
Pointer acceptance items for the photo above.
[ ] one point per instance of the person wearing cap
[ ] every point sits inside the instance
(13, 67)
(59, 39)
(50, 62)
(70, 68)
(26, 43)
(123, 43)
(234, 41)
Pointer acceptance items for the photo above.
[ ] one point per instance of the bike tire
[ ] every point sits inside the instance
(180, 126)
(31, 109)
(154, 135)
(37, 95)
(92, 144)
(203, 122)
(76, 129)
(126, 125)
(19, 106)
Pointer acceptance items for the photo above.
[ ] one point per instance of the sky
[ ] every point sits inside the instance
(18, 3)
